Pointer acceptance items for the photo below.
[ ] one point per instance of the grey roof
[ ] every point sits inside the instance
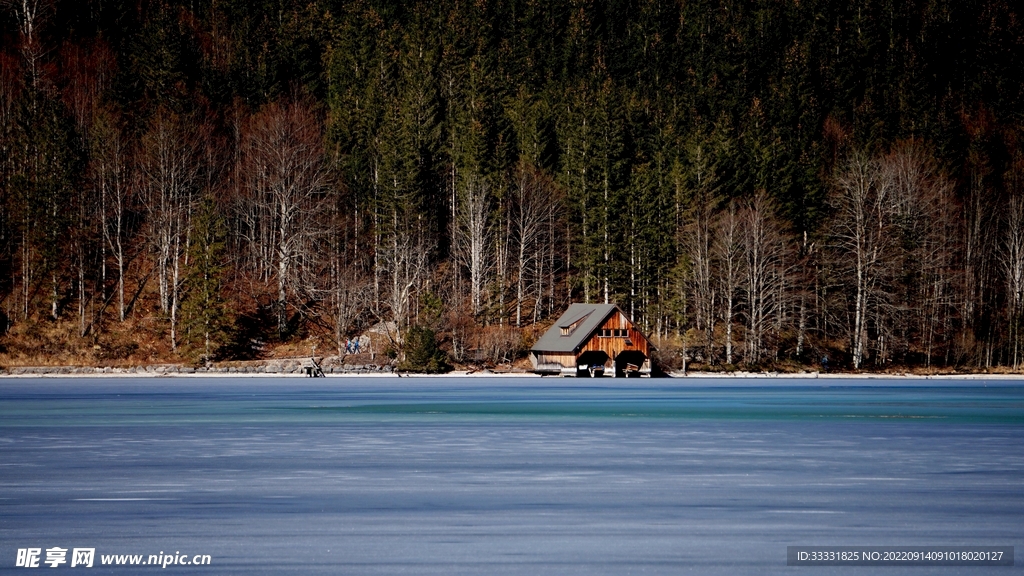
(593, 316)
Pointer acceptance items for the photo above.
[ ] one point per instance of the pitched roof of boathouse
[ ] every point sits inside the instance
(578, 324)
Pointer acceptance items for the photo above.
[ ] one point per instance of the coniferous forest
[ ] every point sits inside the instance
(756, 184)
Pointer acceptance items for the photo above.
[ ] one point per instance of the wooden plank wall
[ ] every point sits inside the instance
(615, 344)
(567, 360)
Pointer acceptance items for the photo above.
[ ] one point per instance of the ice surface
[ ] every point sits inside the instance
(505, 477)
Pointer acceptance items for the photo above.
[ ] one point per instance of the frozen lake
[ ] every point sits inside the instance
(506, 476)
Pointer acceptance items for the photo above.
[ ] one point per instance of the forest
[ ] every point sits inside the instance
(756, 184)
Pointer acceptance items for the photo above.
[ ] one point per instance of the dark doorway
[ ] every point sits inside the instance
(594, 362)
(628, 363)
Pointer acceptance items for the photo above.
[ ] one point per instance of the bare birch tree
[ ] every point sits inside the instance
(728, 253)
(923, 212)
(406, 258)
(765, 269)
(862, 234)
(472, 236)
(30, 15)
(979, 247)
(1012, 260)
(533, 196)
(168, 175)
(287, 182)
(503, 247)
(698, 241)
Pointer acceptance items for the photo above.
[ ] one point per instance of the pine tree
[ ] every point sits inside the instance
(421, 352)
(206, 313)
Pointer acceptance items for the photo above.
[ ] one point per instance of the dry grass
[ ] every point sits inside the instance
(59, 343)
(135, 342)
(141, 341)
(298, 349)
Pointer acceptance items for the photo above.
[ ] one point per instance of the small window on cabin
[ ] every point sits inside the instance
(567, 330)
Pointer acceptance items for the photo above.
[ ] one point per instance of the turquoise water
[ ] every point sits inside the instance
(74, 403)
(531, 476)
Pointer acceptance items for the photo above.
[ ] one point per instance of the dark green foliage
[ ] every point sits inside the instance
(163, 59)
(206, 314)
(421, 352)
(637, 110)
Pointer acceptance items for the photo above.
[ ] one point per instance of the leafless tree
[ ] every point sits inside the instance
(765, 270)
(533, 195)
(1012, 260)
(111, 174)
(347, 299)
(978, 248)
(923, 211)
(86, 75)
(728, 254)
(503, 247)
(341, 290)
(405, 257)
(472, 235)
(498, 344)
(805, 283)
(286, 183)
(551, 256)
(168, 176)
(698, 241)
(30, 14)
(862, 235)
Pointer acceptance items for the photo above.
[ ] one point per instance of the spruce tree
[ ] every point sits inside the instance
(206, 314)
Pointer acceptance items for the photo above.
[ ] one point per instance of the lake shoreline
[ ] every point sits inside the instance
(296, 369)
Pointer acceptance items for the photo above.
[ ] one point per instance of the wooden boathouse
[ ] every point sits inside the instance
(592, 340)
